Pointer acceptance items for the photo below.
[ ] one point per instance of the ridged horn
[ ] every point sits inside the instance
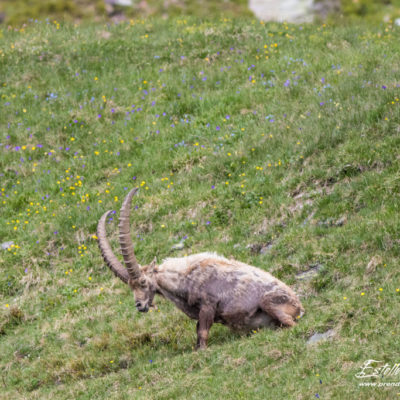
(125, 240)
(106, 251)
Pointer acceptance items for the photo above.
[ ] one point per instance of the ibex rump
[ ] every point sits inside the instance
(206, 287)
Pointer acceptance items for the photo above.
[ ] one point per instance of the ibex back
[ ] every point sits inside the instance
(206, 287)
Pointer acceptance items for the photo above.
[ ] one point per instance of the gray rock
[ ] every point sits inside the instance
(178, 246)
(122, 3)
(266, 248)
(318, 337)
(7, 245)
(294, 11)
(341, 221)
(312, 272)
(325, 7)
(259, 248)
(283, 10)
(329, 222)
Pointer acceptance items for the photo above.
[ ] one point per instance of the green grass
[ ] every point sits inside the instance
(18, 12)
(244, 134)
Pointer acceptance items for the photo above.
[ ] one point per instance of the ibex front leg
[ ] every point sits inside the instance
(206, 319)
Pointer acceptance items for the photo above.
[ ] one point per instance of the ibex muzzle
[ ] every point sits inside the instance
(206, 287)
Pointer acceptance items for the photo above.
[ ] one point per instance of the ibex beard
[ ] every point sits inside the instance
(206, 287)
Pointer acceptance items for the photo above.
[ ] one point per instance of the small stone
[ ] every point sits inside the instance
(105, 34)
(374, 262)
(284, 10)
(266, 248)
(325, 223)
(178, 246)
(312, 272)
(122, 3)
(259, 248)
(317, 337)
(253, 247)
(341, 221)
(329, 222)
(7, 245)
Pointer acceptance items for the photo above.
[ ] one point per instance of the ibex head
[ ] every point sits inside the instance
(144, 288)
(139, 278)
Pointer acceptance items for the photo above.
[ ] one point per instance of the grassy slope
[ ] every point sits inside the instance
(19, 11)
(230, 148)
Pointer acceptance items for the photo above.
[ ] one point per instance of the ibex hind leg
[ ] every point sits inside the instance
(283, 312)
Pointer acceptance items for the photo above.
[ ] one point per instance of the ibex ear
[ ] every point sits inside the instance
(153, 264)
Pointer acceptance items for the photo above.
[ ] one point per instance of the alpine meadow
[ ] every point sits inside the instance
(273, 144)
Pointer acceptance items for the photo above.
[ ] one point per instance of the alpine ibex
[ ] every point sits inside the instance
(206, 287)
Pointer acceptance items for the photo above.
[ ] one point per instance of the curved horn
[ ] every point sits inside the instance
(125, 237)
(106, 250)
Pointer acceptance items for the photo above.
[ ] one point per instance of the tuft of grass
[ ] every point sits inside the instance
(272, 143)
